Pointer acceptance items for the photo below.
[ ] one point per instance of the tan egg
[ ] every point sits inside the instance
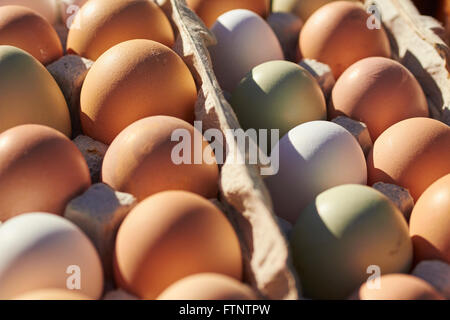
(29, 94)
(210, 10)
(40, 170)
(430, 223)
(25, 29)
(145, 159)
(46, 8)
(170, 236)
(208, 286)
(412, 154)
(379, 92)
(52, 294)
(398, 287)
(337, 34)
(133, 80)
(101, 24)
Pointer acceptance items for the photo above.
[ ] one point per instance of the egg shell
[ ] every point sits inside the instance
(412, 154)
(25, 29)
(208, 286)
(52, 294)
(430, 223)
(170, 236)
(313, 157)
(341, 233)
(278, 95)
(379, 92)
(140, 160)
(40, 170)
(101, 24)
(399, 287)
(47, 8)
(133, 80)
(210, 10)
(244, 40)
(337, 34)
(37, 249)
(29, 93)
(302, 8)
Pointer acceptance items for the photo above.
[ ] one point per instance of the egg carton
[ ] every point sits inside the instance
(415, 42)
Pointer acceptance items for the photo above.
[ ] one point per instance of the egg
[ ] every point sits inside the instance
(302, 8)
(210, 10)
(101, 24)
(40, 170)
(69, 9)
(313, 157)
(379, 92)
(25, 29)
(133, 80)
(345, 230)
(278, 95)
(244, 40)
(399, 287)
(412, 154)
(52, 294)
(143, 159)
(208, 286)
(41, 250)
(337, 34)
(47, 8)
(172, 235)
(430, 223)
(29, 93)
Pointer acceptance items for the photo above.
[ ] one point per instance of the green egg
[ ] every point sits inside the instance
(345, 234)
(29, 94)
(278, 95)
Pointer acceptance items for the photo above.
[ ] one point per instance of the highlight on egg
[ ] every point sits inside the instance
(15, 25)
(102, 24)
(133, 80)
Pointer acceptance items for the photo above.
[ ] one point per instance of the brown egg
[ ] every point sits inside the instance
(430, 223)
(399, 287)
(208, 286)
(379, 92)
(210, 10)
(141, 160)
(337, 34)
(170, 236)
(41, 170)
(101, 24)
(52, 294)
(413, 154)
(133, 80)
(26, 29)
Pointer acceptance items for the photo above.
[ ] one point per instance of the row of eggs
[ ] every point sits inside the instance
(314, 127)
